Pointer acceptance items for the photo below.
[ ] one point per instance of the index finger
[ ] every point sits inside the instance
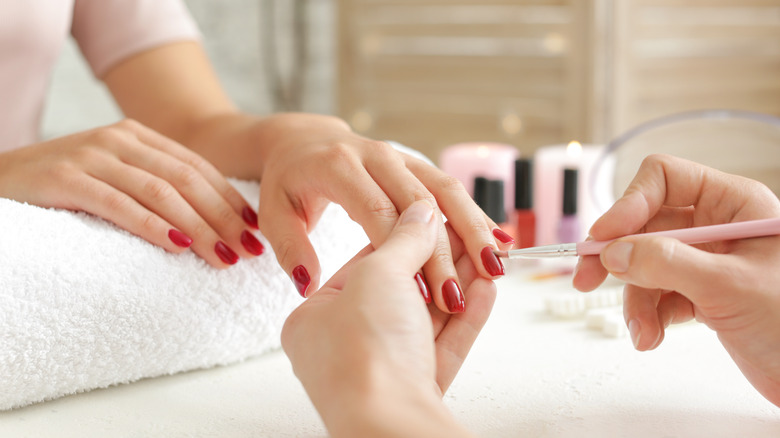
(661, 181)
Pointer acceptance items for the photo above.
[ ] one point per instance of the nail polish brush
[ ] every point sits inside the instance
(709, 233)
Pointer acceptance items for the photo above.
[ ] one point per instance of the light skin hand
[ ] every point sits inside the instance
(143, 182)
(304, 162)
(311, 160)
(372, 357)
(730, 286)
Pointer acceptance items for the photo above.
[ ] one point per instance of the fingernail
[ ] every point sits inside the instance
(502, 236)
(577, 267)
(225, 253)
(301, 279)
(179, 238)
(453, 297)
(424, 291)
(420, 211)
(251, 243)
(634, 330)
(492, 264)
(250, 217)
(617, 256)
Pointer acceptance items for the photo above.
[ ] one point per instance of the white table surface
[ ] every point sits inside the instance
(529, 374)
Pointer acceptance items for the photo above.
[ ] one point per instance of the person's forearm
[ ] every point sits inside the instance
(227, 141)
(386, 409)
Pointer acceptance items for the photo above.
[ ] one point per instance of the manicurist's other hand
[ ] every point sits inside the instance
(372, 356)
(732, 286)
(143, 182)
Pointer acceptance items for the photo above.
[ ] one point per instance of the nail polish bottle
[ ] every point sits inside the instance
(524, 214)
(494, 201)
(569, 227)
(479, 191)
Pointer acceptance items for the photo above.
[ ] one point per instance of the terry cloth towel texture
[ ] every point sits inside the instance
(86, 305)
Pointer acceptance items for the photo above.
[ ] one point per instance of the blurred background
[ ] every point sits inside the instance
(529, 73)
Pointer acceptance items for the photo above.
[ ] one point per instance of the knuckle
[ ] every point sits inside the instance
(199, 231)
(477, 224)
(150, 221)
(226, 215)
(338, 152)
(654, 159)
(382, 208)
(440, 258)
(129, 124)
(422, 194)
(115, 201)
(185, 175)
(285, 250)
(158, 190)
(110, 136)
(384, 150)
(450, 183)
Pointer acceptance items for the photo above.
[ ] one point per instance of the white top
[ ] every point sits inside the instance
(32, 33)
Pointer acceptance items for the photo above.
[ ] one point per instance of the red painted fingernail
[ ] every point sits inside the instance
(426, 293)
(492, 264)
(225, 253)
(453, 297)
(251, 243)
(179, 238)
(301, 279)
(501, 235)
(250, 217)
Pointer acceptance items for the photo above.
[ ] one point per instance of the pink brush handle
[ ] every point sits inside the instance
(710, 233)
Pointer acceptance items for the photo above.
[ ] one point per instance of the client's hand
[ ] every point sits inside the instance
(372, 356)
(732, 286)
(143, 182)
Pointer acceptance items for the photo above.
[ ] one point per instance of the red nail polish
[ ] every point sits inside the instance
(502, 236)
(424, 291)
(225, 253)
(250, 217)
(492, 264)
(453, 297)
(301, 279)
(251, 243)
(179, 238)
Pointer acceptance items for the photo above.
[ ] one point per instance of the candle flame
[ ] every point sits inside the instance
(574, 149)
(483, 151)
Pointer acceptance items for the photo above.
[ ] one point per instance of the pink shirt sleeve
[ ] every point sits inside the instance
(108, 31)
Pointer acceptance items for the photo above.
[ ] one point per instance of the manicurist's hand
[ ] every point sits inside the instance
(733, 286)
(310, 160)
(372, 356)
(143, 182)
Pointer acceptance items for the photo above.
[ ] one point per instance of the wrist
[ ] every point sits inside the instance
(290, 129)
(384, 404)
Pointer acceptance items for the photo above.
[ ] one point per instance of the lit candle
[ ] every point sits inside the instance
(495, 161)
(549, 165)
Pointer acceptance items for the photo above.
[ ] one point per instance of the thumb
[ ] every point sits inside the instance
(653, 262)
(411, 242)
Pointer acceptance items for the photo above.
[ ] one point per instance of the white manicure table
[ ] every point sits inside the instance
(529, 374)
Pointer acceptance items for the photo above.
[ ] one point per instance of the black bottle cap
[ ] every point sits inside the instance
(569, 192)
(524, 187)
(480, 184)
(494, 201)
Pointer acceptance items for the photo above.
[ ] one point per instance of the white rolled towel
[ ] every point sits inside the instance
(86, 305)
